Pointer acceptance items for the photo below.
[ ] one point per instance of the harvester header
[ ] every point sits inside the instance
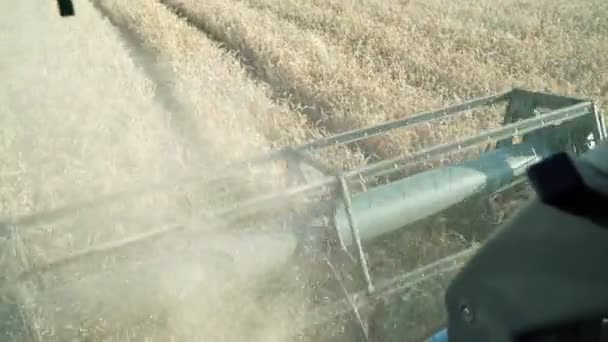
(335, 214)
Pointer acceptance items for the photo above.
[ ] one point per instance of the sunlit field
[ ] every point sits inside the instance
(128, 93)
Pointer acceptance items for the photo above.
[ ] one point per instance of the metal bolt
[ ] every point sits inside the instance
(467, 314)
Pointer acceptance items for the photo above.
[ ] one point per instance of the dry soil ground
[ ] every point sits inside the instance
(136, 91)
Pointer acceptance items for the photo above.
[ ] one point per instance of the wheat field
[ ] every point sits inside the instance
(140, 91)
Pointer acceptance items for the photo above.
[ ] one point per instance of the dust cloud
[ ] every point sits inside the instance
(83, 114)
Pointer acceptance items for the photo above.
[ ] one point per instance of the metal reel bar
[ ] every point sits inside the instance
(282, 154)
(355, 232)
(518, 128)
(366, 133)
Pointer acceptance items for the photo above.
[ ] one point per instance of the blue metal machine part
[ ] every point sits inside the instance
(440, 336)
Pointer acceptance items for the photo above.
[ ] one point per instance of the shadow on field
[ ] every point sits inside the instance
(297, 98)
(164, 94)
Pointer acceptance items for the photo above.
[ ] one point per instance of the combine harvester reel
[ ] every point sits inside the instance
(336, 216)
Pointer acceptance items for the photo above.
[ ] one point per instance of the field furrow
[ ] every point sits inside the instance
(343, 93)
(215, 84)
(317, 75)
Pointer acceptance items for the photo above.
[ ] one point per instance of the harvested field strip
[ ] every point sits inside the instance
(212, 108)
(78, 119)
(233, 100)
(400, 52)
(344, 94)
(108, 134)
(225, 134)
